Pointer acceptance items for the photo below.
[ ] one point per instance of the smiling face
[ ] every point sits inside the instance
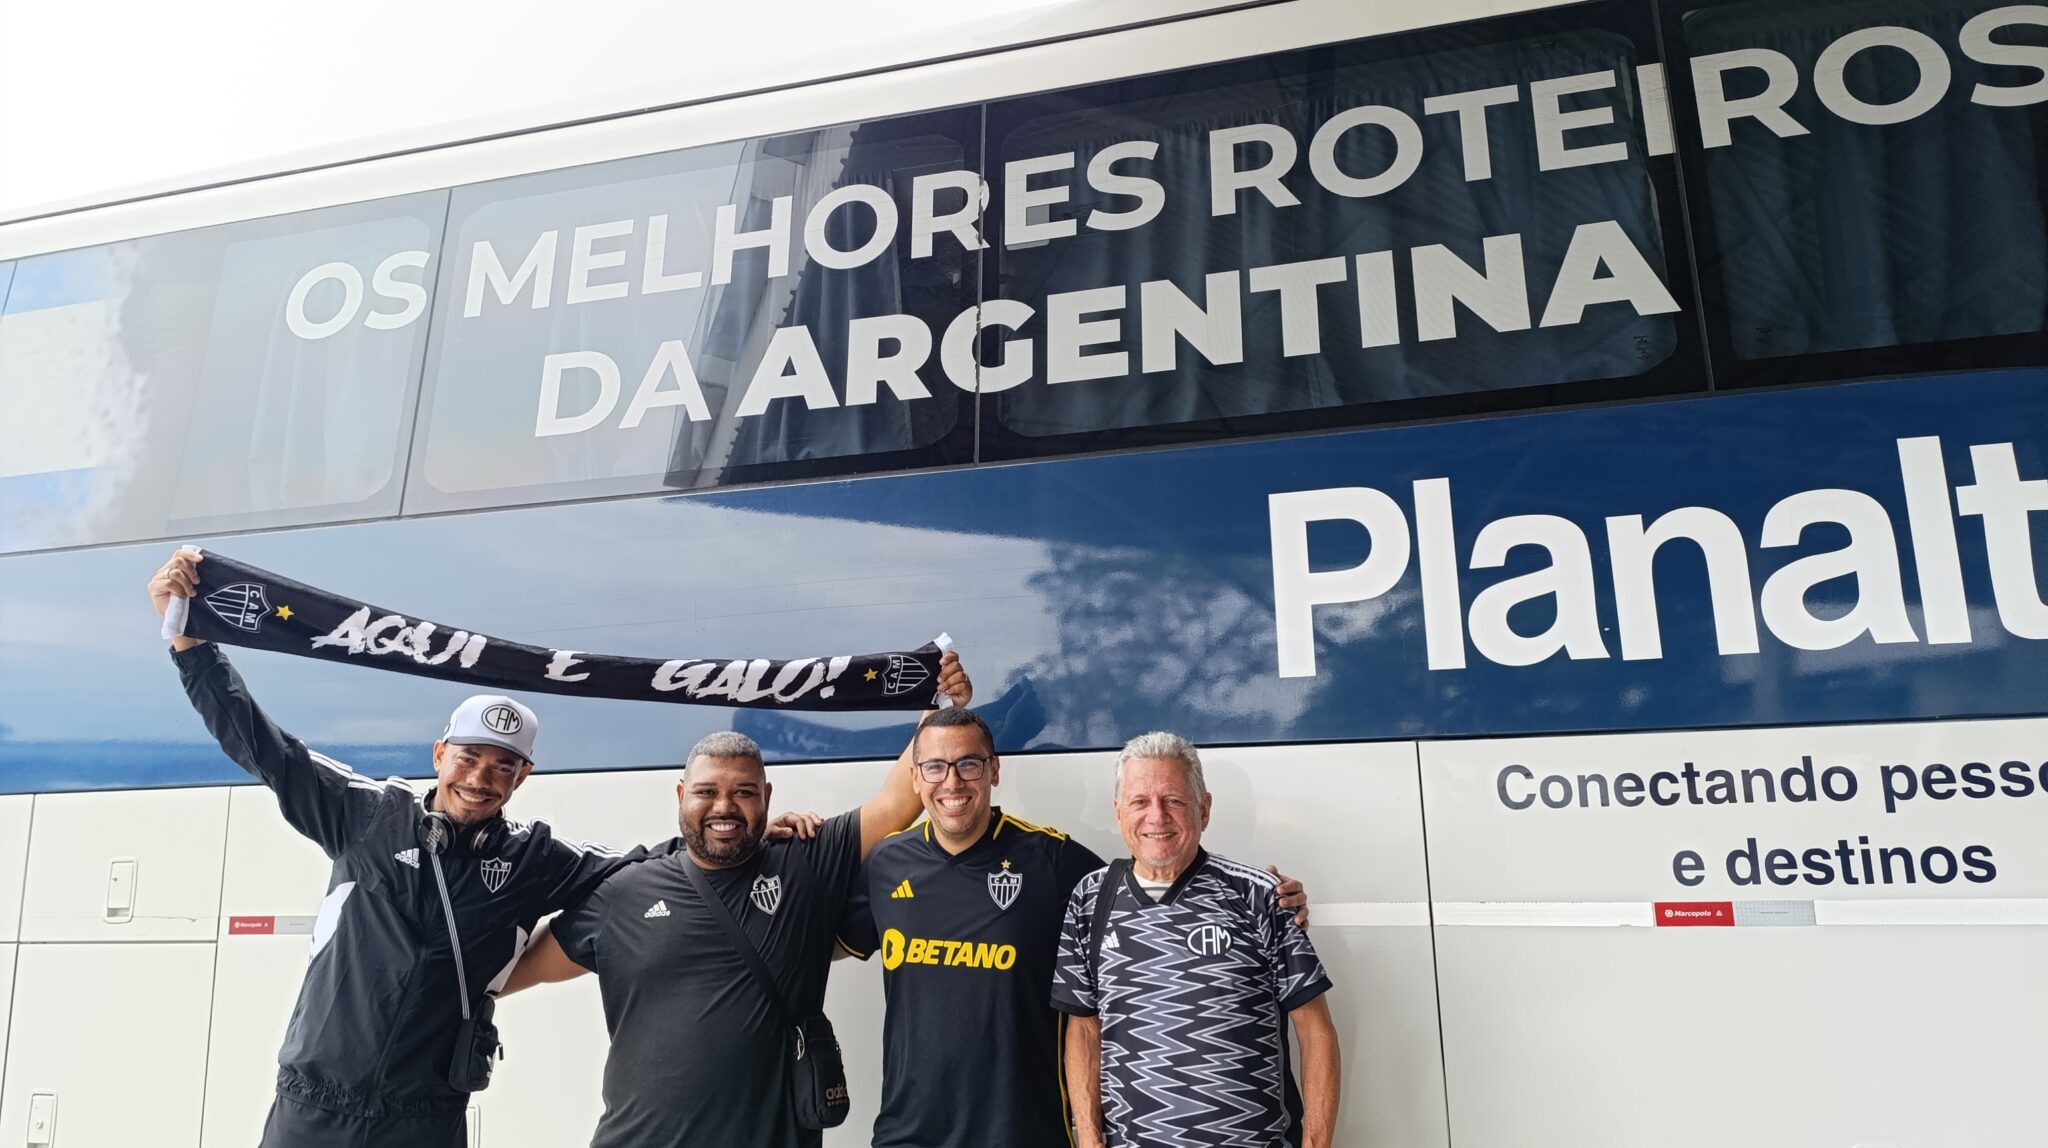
(473, 782)
(722, 805)
(1161, 816)
(959, 808)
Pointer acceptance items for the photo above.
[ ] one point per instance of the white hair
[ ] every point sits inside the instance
(1165, 747)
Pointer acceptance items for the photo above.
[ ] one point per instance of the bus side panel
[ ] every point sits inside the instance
(125, 867)
(14, 826)
(7, 953)
(117, 1034)
(270, 896)
(1347, 820)
(1706, 954)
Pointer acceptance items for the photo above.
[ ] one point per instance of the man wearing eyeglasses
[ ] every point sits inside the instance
(965, 908)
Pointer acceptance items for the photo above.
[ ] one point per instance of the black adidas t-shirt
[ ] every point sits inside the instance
(971, 1048)
(697, 1054)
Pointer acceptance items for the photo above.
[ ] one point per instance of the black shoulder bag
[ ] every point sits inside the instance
(817, 1073)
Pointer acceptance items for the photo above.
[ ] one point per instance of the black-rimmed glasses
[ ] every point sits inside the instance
(969, 768)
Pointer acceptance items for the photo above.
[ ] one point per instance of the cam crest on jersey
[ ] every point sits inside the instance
(1004, 885)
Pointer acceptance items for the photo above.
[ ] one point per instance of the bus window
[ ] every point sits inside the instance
(257, 374)
(761, 309)
(1464, 219)
(1870, 179)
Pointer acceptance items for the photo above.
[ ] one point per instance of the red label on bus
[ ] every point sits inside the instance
(1678, 914)
(251, 926)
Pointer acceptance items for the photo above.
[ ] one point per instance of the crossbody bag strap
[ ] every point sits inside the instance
(739, 939)
(454, 938)
(1105, 904)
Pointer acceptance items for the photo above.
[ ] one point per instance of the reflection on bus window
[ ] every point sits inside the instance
(1872, 180)
(257, 374)
(702, 316)
(1475, 219)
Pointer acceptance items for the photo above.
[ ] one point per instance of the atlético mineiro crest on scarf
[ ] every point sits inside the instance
(496, 871)
(767, 893)
(903, 675)
(241, 605)
(1005, 885)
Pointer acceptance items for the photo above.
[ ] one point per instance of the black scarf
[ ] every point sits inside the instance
(240, 605)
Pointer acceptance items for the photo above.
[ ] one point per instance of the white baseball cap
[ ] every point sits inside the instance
(493, 719)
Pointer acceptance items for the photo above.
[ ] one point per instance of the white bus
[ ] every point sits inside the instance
(1574, 469)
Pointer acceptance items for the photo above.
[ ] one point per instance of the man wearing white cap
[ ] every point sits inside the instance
(431, 899)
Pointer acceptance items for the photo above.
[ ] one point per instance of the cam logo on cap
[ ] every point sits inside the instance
(501, 718)
(493, 719)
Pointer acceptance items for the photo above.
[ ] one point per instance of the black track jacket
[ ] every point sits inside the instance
(375, 1024)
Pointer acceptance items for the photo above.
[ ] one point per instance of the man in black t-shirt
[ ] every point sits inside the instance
(697, 1048)
(965, 909)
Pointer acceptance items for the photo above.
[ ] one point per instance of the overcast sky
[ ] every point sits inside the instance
(105, 98)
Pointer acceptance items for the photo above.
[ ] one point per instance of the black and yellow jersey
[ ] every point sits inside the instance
(971, 1047)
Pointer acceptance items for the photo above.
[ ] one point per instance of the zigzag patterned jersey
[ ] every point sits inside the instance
(1193, 992)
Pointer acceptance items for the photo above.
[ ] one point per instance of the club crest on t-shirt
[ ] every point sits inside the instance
(767, 893)
(1005, 885)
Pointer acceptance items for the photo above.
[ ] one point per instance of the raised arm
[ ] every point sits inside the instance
(1322, 1070)
(896, 804)
(321, 798)
(178, 577)
(543, 963)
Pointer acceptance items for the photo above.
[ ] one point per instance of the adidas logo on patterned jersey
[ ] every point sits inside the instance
(902, 891)
(407, 856)
(1109, 942)
(658, 909)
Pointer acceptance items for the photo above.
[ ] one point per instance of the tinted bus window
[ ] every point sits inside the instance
(1373, 230)
(259, 374)
(1871, 178)
(754, 310)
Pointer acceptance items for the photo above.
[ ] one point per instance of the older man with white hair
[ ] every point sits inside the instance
(1182, 972)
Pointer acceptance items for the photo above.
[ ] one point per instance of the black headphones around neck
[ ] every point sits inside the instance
(438, 833)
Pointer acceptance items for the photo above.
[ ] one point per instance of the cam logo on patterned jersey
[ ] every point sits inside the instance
(241, 605)
(767, 893)
(1208, 940)
(1005, 886)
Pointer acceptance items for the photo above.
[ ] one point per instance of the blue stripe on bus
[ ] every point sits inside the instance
(1094, 598)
